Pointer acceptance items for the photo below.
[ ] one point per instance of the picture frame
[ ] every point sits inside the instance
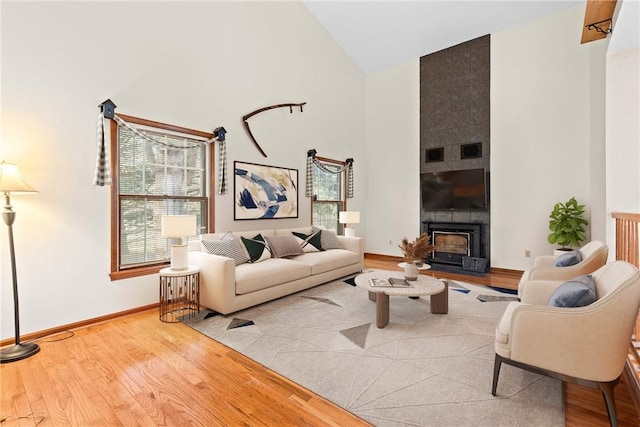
(264, 192)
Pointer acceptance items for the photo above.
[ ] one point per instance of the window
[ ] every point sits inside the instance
(159, 170)
(328, 195)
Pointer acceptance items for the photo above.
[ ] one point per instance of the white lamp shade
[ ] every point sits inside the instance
(11, 181)
(178, 226)
(349, 217)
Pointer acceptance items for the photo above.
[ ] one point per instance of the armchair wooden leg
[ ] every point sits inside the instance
(496, 372)
(608, 394)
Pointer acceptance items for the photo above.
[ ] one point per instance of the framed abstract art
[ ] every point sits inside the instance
(264, 192)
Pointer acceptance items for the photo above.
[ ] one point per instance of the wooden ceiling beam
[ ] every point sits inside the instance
(598, 20)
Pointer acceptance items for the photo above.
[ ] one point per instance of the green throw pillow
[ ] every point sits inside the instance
(311, 242)
(256, 248)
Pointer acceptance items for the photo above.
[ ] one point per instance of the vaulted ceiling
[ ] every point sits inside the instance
(381, 34)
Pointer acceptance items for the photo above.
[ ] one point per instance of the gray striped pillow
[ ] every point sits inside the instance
(229, 248)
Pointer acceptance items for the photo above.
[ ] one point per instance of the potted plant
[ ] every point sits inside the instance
(415, 252)
(567, 225)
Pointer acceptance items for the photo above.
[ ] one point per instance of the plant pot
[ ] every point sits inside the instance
(558, 252)
(410, 271)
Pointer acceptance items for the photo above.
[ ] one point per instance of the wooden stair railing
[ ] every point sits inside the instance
(628, 249)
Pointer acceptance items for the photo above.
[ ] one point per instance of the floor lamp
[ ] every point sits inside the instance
(11, 182)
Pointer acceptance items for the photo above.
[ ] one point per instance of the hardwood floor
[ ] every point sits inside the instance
(135, 370)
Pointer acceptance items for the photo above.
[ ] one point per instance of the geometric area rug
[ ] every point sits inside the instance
(422, 369)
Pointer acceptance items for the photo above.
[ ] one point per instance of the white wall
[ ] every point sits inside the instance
(393, 159)
(193, 64)
(623, 110)
(547, 132)
(623, 137)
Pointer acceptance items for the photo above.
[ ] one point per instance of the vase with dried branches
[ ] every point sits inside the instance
(418, 250)
(415, 253)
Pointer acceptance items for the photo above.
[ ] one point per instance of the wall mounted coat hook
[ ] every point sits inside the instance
(603, 26)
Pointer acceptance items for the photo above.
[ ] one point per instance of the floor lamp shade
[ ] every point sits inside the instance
(177, 227)
(349, 217)
(11, 181)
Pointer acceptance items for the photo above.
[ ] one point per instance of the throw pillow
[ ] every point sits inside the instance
(256, 248)
(284, 246)
(328, 239)
(576, 292)
(309, 243)
(570, 258)
(229, 248)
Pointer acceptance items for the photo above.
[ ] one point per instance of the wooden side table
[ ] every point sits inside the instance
(179, 294)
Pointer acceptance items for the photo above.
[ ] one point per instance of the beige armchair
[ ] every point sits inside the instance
(594, 255)
(585, 345)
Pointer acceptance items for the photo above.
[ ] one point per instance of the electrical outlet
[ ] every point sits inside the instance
(527, 253)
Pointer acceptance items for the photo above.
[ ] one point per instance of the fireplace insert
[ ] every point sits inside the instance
(454, 241)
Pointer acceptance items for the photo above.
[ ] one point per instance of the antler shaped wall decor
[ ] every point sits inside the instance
(271, 107)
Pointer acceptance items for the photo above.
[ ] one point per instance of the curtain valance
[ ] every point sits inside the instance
(312, 160)
(102, 175)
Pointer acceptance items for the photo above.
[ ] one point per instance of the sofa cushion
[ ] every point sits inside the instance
(309, 242)
(328, 238)
(268, 273)
(284, 246)
(568, 259)
(257, 248)
(229, 248)
(321, 262)
(576, 292)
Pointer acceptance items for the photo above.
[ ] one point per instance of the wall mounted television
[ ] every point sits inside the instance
(451, 190)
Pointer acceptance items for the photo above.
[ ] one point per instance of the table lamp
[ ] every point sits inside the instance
(12, 182)
(178, 227)
(349, 217)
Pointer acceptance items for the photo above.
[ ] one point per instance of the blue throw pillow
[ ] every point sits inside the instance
(576, 292)
(570, 258)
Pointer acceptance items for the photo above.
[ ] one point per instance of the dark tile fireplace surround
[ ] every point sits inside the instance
(454, 117)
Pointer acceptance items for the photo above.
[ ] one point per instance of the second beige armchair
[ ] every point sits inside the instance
(594, 255)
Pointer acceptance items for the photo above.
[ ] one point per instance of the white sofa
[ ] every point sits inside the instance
(226, 288)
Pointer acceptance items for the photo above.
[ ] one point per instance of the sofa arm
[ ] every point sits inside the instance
(353, 244)
(217, 280)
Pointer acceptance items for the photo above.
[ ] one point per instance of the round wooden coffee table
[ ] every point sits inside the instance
(424, 285)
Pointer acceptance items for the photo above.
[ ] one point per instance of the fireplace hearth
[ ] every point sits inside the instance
(453, 241)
